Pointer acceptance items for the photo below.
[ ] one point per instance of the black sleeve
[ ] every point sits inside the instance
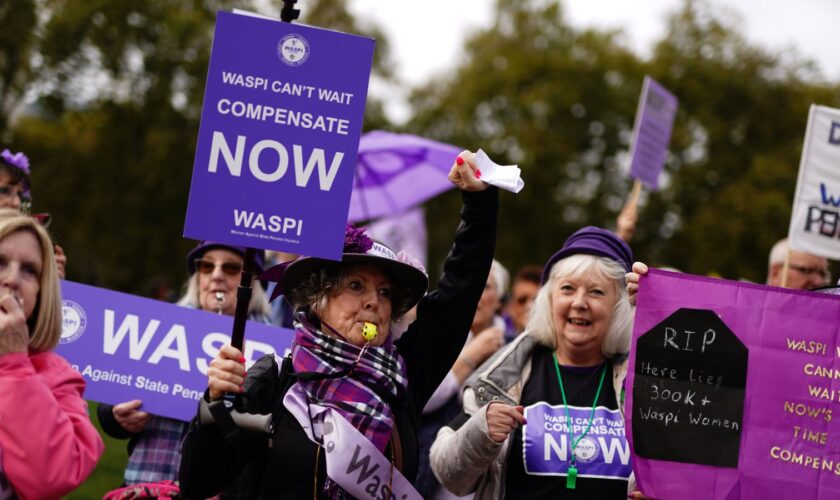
(210, 462)
(458, 421)
(432, 343)
(105, 414)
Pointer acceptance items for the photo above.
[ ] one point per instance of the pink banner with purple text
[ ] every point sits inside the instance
(731, 390)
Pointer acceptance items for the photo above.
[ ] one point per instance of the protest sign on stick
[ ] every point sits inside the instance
(648, 147)
(280, 127)
(731, 390)
(129, 347)
(652, 132)
(815, 219)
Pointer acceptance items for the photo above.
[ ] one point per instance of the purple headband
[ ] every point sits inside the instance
(17, 160)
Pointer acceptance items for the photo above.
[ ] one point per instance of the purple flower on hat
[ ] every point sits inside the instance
(355, 240)
(17, 160)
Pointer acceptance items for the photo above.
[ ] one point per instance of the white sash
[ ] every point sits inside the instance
(353, 462)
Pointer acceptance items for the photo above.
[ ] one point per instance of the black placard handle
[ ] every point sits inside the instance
(289, 13)
(243, 299)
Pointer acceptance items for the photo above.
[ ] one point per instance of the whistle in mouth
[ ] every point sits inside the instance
(369, 331)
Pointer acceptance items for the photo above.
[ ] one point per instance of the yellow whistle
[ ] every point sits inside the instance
(369, 331)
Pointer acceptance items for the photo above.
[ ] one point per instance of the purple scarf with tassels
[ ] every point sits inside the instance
(360, 396)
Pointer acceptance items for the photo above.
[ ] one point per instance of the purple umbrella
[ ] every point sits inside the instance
(395, 172)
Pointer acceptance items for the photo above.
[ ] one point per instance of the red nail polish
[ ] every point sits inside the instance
(459, 160)
(477, 173)
(242, 359)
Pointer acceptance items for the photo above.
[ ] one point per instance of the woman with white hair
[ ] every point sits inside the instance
(564, 374)
(154, 446)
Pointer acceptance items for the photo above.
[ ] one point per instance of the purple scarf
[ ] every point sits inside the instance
(360, 396)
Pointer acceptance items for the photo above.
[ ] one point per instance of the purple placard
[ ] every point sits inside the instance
(128, 347)
(280, 127)
(602, 453)
(789, 445)
(652, 132)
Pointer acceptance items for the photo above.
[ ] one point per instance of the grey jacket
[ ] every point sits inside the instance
(467, 460)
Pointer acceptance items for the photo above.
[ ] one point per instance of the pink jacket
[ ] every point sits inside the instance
(48, 444)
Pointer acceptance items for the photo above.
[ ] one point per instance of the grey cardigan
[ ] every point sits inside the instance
(467, 460)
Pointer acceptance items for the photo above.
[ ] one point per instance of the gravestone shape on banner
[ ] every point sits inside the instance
(688, 392)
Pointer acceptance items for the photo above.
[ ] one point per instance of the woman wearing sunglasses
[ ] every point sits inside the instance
(154, 442)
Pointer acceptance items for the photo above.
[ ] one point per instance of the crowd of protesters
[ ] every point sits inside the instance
(433, 386)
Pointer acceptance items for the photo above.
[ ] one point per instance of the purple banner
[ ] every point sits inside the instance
(280, 127)
(128, 347)
(731, 390)
(652, 132)
(602, 453)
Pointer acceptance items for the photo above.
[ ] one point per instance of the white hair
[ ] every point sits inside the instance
(541, 322)
(258, 306)
(501, 277)
(777, 254)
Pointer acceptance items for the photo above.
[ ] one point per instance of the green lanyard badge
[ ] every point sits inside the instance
(571, 477)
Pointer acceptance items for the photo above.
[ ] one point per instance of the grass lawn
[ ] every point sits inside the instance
(109, 471)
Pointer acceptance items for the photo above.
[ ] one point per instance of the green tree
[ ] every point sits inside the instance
(561, 102)
(119, 88)
(112, 135)
(334, 14)
(17, 39)
(736, 147)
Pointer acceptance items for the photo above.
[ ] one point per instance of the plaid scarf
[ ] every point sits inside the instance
(363, 395)
(157, 454)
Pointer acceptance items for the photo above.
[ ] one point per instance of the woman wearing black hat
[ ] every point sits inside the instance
(543, 419)
(344, 424)
(154, 442)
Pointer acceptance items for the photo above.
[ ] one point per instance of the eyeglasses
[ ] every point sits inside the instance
(208, 266)
(824, 274)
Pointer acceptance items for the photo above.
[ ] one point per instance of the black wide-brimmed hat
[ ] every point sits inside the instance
(359, 248)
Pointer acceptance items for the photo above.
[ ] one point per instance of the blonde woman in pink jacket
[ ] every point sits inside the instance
(48, 445)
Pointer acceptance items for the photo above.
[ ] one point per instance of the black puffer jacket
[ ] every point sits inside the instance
(283, 465)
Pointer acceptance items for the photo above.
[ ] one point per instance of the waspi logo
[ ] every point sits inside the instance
(293, 50)
(73, 321)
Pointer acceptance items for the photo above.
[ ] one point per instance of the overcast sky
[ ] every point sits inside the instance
(427, 36)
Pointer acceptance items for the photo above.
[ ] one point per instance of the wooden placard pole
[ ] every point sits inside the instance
(785, 268)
